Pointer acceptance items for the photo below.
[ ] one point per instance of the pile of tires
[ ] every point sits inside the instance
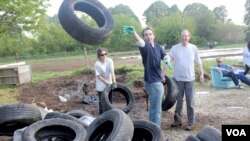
(111, 125)
(207, 133)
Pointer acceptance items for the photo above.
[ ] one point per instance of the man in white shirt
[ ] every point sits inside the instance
(185, 55)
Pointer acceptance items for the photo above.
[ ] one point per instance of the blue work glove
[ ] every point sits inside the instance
(113, 86)
(128, 29)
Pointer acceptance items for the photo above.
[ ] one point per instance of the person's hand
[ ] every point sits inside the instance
(128, 29)
(113, 86)
(169, 65)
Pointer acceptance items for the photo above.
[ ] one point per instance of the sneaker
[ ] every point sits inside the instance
(176, 124)
(190, 127)
(240, 87)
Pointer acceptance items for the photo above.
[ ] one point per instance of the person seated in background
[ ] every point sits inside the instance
(228, 71)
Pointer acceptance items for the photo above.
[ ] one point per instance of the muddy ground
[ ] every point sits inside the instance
(213, 106)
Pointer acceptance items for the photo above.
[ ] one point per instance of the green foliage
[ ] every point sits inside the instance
(205, 21)
(18, 16)
(8, 94)
(155, 12)
(83, 71)
(133, 76)
(119, 41)
(220, 14)
(173, 25)
(123, 9)
(228, 33)
(40, 76)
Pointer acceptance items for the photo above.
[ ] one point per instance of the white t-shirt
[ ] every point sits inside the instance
(103, 69)
(246, 56)
(184, 58)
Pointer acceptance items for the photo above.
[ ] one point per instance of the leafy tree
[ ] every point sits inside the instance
(204, 20)
(220, 14)
(174, 9)
(247, 20)
(119, 41)
(228, 33)
(123, 9)
(17, 16)
(155, 12)
(168, 31)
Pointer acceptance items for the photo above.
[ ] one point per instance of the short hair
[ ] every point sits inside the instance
(100, 50)
(186, 30)
(147, 28)
(218, 59)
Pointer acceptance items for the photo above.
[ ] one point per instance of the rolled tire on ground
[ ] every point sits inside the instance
(124, 90)
(78, 29)
(209, 133)
(147, 131)
(113, 125)
(171, 92)
(192, 138)
(55, 128)
(52, 115)
(13, 117)
(78, 113)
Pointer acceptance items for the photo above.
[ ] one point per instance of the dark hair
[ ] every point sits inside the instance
(248, 46)
(147, 28)
(100, 50)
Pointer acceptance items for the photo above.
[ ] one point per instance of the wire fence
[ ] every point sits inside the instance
(58, 55)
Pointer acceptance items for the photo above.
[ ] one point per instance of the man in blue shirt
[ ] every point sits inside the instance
(152, 54)
(228, 71)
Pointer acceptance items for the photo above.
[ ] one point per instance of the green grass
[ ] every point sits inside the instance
(8, 94)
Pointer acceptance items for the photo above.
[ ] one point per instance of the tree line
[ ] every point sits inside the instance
(27, 30)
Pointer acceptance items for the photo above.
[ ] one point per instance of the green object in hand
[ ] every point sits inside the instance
(113, 86)
(128, 29)
(169, 65)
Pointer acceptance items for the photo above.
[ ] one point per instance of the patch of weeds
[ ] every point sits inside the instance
(133, 76)
(86, 70)
(123, 69)
(8, 94)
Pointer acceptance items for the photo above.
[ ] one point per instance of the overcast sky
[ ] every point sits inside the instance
(235, 8)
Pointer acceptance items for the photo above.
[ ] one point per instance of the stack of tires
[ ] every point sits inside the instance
(111, 125)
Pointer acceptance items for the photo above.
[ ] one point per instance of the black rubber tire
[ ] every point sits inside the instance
(209, 133)
(124, 90)
(78, 29)
(171, 93)
(113, 125)
(64, 116)
(59, 128)
(17, 116)
(192, 138)
(78, 113)
(147, 131)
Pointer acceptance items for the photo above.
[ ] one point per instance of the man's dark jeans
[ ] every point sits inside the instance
(237, 77)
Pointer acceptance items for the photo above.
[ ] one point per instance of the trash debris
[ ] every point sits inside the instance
(90, 99)
(87, 119)
(62, 99)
